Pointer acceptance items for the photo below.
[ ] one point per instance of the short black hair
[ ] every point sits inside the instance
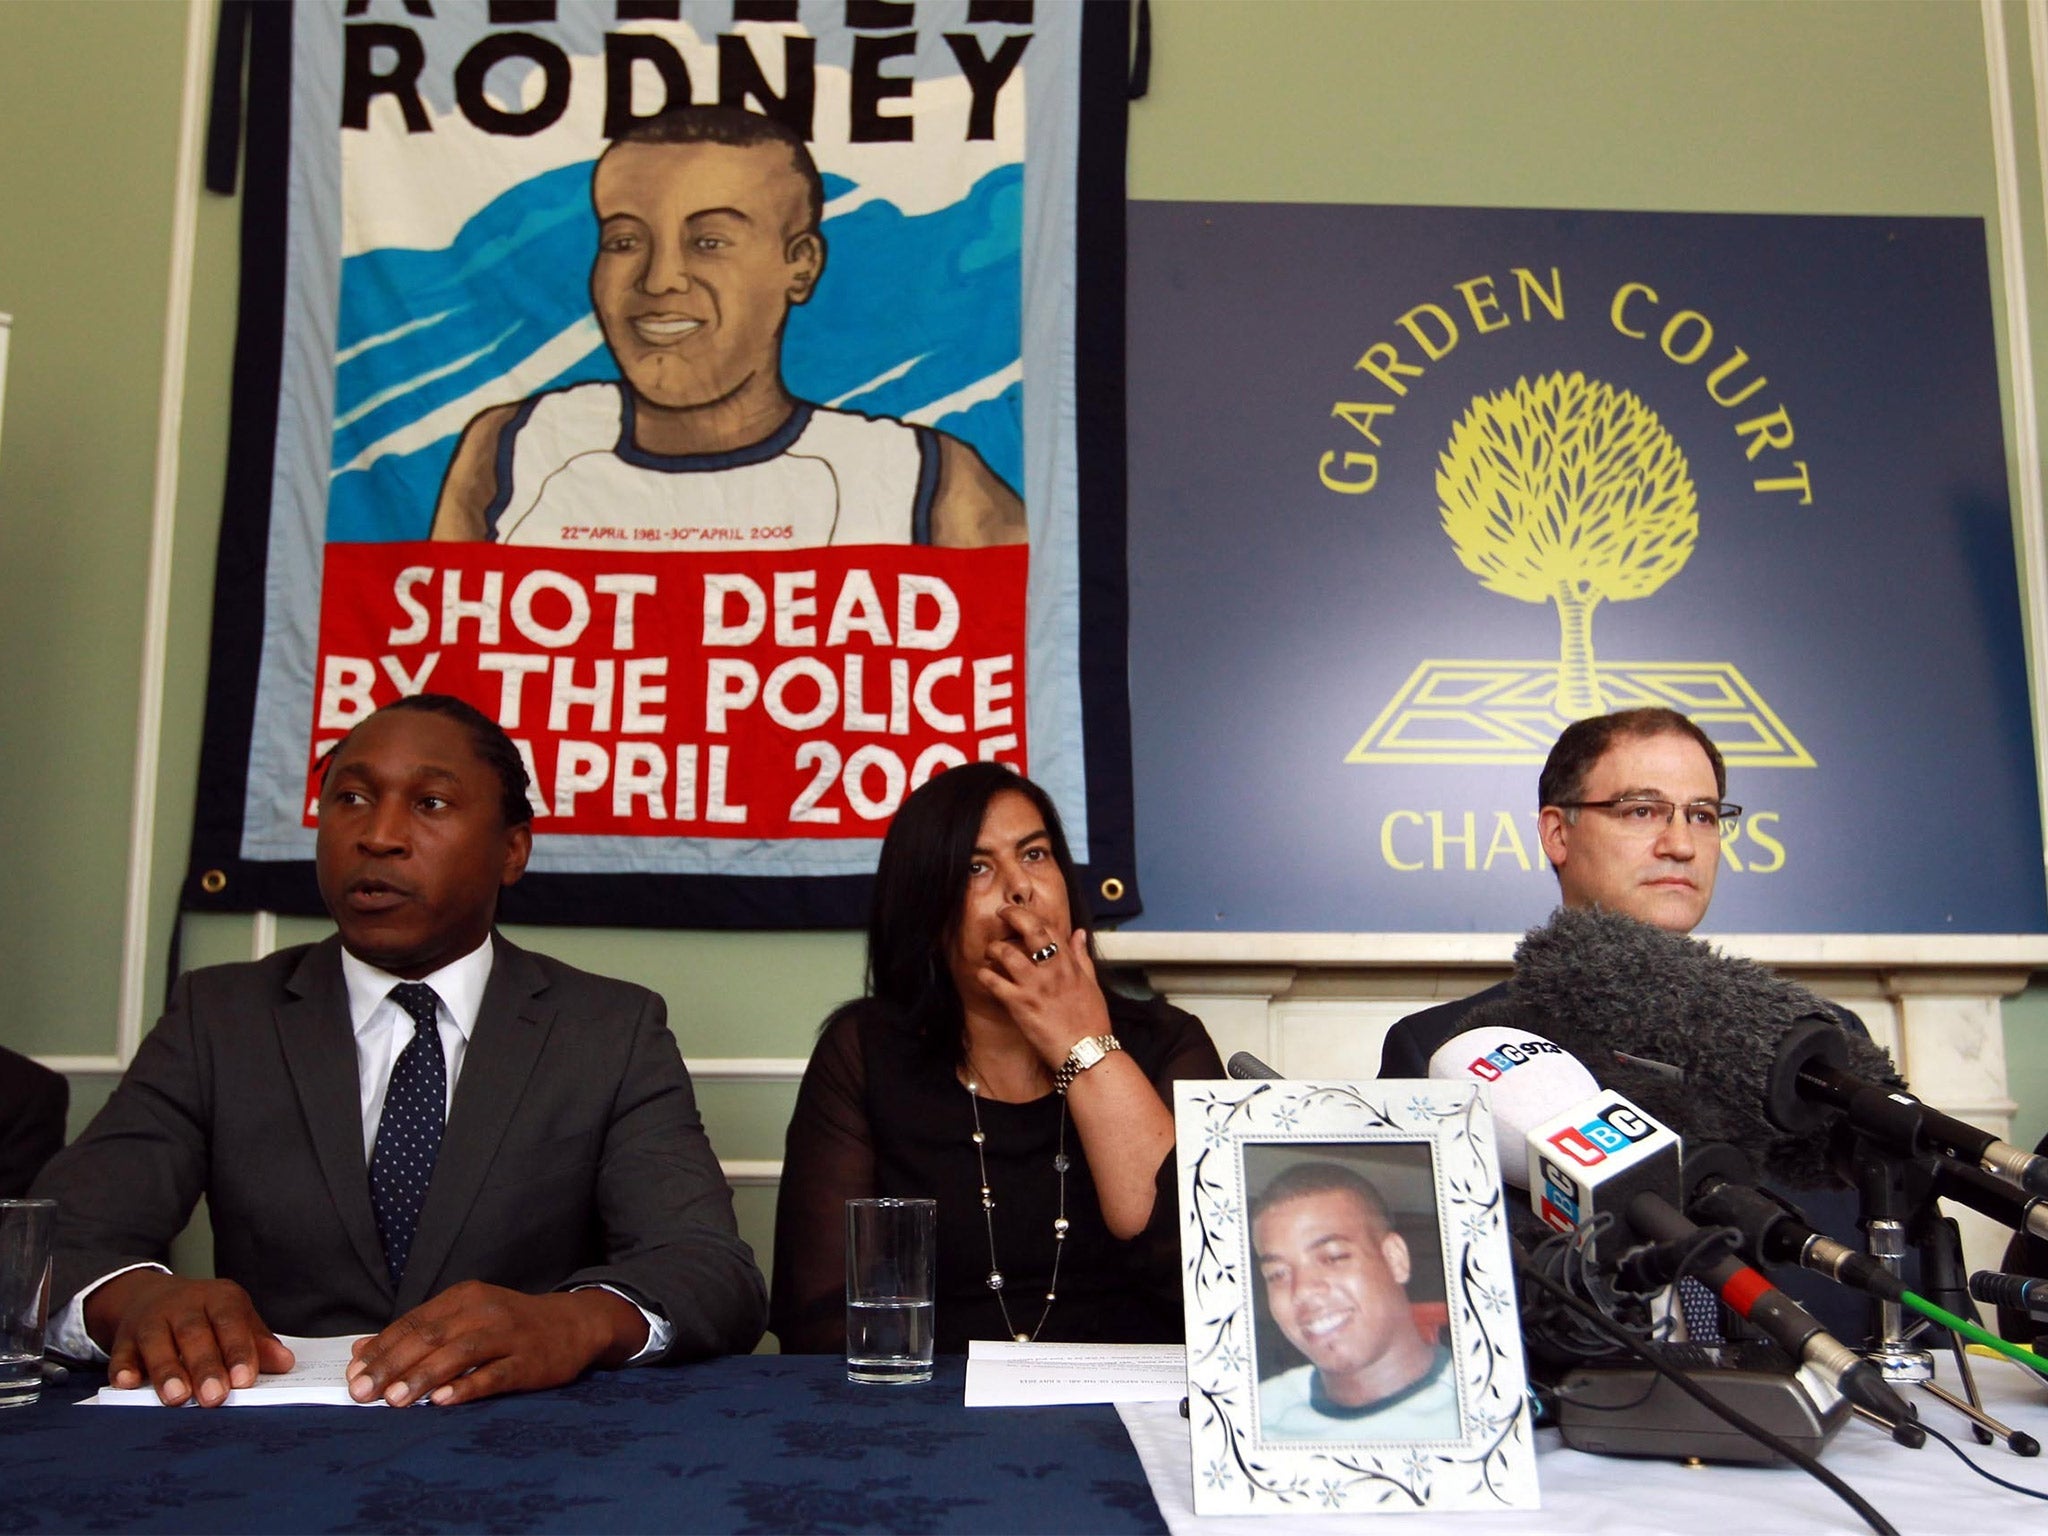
(921, 883)
(485, 735)
(740, 129)
(1585, 742)
(1323, 1178)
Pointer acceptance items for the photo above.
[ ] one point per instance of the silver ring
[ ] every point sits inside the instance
(1040, 956)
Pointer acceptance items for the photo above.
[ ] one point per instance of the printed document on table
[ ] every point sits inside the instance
(1004, 1374)
(317, 1377)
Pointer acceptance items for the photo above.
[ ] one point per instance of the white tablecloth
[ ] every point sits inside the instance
(1927, 1492)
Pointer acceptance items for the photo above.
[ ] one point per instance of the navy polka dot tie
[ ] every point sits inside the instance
(1702, 1311)
(409, 1134)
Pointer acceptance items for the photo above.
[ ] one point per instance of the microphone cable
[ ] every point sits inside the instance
(1620, 1335)
(1565, 1258)
(1964, 1457)
(1974, 1334)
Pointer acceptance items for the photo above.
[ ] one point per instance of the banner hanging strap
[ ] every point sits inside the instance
(224, 118)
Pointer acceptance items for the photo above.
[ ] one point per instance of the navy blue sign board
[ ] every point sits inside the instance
(1411, 488)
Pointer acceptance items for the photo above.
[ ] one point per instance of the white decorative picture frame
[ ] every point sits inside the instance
(1266, 1436)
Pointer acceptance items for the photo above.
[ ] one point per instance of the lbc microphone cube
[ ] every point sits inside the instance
(1593, 1158)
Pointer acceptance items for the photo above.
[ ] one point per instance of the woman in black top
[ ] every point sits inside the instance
(987, 1068)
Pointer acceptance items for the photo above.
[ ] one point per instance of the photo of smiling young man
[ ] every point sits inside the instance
(1333, 1281)
(708, 234)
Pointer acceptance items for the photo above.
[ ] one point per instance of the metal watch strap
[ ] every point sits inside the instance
(1087, 1051)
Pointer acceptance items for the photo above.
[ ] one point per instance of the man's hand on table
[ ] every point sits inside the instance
(186, 1338)
(476, 1340)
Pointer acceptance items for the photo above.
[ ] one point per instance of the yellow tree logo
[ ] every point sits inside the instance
(1568, 491)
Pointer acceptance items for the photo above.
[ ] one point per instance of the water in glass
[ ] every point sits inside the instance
(889, 1338)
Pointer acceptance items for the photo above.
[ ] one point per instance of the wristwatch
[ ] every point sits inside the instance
(1087, 1051)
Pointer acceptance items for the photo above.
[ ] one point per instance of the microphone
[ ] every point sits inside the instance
(1577, 1148)
(1892, 1116)
(1248, 1068)
(1526, 1076)
(1787, 1324)
(1990, 1196)
(1720, 1193)
(1692, 1035)
(2015, 1293)
(1599, 1155)
(1604, 1153)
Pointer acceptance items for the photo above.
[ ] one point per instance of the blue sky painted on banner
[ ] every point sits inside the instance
(917, 317)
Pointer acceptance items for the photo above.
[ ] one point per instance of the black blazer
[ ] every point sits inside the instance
(573, 1154)
(1411, 1042)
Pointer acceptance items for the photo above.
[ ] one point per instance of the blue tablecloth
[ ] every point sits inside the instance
(760, 1443)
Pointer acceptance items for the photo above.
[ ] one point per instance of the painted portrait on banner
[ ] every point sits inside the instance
(655, 377)
(1512, 468)
(709, 232)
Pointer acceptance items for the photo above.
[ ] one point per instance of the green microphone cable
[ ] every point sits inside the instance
(1973, 1333)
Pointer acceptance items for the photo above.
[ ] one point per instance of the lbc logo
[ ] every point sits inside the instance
(1488, 1068)
(1560, 1205)
(1615, 1129)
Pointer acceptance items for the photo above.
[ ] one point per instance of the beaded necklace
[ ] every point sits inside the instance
(988, 1205)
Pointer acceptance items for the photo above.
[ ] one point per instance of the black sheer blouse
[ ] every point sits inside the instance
(881, 1113)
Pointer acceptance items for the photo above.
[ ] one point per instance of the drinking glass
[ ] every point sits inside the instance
(890, 1251)
(25, 1230)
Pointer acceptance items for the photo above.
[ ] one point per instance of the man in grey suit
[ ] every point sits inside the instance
(533, 1198)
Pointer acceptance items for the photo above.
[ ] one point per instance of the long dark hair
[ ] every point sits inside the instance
(921, 883)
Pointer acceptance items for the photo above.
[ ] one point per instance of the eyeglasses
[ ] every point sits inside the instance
(1646, 814)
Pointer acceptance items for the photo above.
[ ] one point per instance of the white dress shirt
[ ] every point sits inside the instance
(383, 1029)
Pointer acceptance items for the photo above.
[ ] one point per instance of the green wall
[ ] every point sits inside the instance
(1814, 107)
(90, 150)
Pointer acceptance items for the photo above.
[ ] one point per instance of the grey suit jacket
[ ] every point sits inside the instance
(573, 1155)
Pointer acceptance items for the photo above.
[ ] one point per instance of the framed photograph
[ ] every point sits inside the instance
(1353, 1342)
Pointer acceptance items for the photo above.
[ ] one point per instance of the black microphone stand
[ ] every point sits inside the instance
(1944, 1280)
(1901, 1215)
(1891, 1191)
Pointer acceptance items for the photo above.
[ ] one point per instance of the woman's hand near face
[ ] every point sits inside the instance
(1055, 1001)
(1126, 1129)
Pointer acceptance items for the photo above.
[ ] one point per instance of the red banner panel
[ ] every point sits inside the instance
(744, 694)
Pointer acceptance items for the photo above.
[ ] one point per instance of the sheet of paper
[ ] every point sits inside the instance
(316, 1377)
(1003, 1374)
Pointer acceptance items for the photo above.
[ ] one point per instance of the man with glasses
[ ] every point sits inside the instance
(1630, 819)
(1631, 815)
